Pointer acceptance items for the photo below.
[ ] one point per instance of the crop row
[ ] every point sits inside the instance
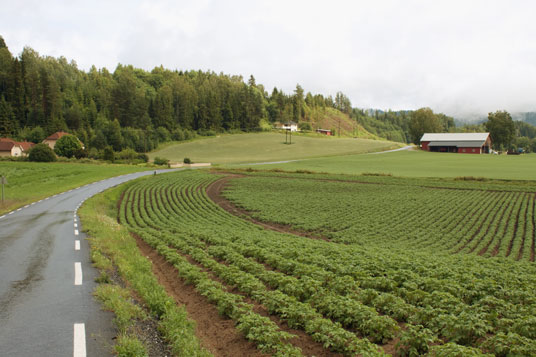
(491, 223)
(359, 288)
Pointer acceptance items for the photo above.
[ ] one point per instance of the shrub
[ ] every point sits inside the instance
(160, 161)
(108, 154)
(81, 154)
(94, 153)
(67, 146)
(187, 160)
(305, 126)
(42, 153)
(143, 157)
(177, 135)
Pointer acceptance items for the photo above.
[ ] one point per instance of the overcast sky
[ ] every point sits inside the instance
(458, 57)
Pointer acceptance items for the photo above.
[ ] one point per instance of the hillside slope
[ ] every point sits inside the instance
(263, 147)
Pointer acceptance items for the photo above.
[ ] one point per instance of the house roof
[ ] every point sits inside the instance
(6, 140)
(57, 135)
(6, 145)
(456, 137)
(25, 145)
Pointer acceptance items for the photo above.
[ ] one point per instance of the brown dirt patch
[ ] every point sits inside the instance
(214, 192)
(217, 334)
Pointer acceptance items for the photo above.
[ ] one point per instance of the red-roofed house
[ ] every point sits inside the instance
(51, 140)
(26, 146)
(10, 148)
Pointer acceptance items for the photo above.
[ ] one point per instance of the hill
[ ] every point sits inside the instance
(263, 147)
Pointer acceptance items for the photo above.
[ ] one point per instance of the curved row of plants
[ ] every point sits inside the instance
(478, 220)
(348, 297)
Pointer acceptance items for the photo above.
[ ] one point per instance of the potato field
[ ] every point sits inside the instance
(336, 265)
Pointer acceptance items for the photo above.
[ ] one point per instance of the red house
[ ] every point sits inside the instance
(465, 143)
(324, 131)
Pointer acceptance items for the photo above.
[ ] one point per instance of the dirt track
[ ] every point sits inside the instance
(214, 192)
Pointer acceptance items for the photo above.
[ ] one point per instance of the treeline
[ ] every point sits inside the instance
(404, 126)
(136, 109)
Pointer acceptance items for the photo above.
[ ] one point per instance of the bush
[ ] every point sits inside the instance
(67, 146)
(127, 155)
(42, 153)
(305, 126)
(177, 135)
(160, 161)
(108, 154)
(81, 154)
(94, 153)
(187, 160)
(143, 157)
(206, 132)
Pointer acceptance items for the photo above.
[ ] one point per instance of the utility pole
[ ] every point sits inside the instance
(3, 181)
(339, 131)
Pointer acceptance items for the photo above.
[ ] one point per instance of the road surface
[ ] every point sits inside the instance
(46, 280)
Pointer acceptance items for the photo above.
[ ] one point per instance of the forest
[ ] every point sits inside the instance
(136, 109)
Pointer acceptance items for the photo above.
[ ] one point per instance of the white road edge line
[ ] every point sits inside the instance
(75, 225)
(76, 245)
(76, 232)
(2, 216)
(79, 347)
(77, 273)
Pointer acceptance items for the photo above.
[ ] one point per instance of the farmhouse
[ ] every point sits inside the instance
(468, 143)
(10, 147)
(324, 131)
(289, 126)
(51, 140)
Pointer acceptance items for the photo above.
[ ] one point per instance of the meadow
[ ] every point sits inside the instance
(266, 147)
(31, 181)
(340, 290)
(417, 163)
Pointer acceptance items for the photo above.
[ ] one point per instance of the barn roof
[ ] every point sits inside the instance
(457, 137)
(460, 144)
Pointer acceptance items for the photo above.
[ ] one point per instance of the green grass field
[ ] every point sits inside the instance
(266, 147)
(32, 181)
(416, 163)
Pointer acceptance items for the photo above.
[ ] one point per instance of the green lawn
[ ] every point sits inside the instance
(32, 181)
(416, 163)
(262, 147)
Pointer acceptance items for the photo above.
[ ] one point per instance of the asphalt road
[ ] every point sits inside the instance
(46, 280)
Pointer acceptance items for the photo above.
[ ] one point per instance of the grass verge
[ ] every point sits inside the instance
(113, 249)
(31, 181)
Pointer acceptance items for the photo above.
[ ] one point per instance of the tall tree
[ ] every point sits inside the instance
(423, 121)
(501, 128)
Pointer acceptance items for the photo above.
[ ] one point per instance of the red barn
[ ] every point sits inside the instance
(468, 143)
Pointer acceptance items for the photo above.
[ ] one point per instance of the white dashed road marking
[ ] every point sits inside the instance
(76, 245)
(79, 340)
(77, 273)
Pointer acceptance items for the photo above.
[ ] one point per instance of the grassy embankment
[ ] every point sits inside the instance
(416, 163)
(32, 181)
(113, 249)
(267, 147)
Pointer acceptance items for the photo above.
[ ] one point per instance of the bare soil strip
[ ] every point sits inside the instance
(216, 333)
(214, 192)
